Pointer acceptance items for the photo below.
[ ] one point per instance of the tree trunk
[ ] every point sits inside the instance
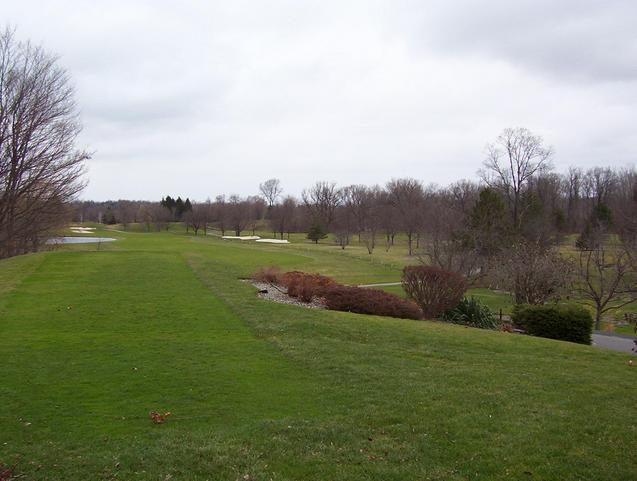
(598, 318)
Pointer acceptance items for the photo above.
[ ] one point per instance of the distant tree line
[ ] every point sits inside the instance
(453, 225)
(502, 229)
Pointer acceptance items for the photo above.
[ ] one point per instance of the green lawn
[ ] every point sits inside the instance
(94, 340)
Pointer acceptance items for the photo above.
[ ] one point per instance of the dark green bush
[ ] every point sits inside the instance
(566, 323)
(471, 312)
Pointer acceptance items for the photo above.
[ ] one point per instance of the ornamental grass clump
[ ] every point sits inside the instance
(271, 275)
(471, 312)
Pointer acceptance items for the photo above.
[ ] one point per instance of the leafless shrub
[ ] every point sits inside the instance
(433, 289)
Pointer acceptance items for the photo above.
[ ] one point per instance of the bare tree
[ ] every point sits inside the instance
(321, 201)
(599, 183)
(220, 213)
(198, 217)
(447, 244)
(271, 190)
(40, 169)
(573, 190)
(463, 195)
(238, 213)
(387, 218)
(624, 206)
(407, 198)
(531, 272)
(126, 211)
(515, 157)
(367, 212)
(154, 214)
(256, 211)
(282, 217)
(607, 277)
(344, 224)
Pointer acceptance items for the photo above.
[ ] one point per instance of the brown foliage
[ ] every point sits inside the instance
(271, 275)
(305, 286)
(433, 289)
(369, 301)
(158, 418)
(7, 473)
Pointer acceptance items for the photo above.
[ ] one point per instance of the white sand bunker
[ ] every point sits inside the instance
(274, 241)
(82, 230)
(237, 237)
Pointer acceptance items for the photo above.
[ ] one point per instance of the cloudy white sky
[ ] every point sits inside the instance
(197, 98)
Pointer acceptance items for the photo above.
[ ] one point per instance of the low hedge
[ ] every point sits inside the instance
(369, 301)
(308, 286)
(566, 322)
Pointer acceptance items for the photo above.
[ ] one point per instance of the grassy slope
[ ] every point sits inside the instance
(272, 391)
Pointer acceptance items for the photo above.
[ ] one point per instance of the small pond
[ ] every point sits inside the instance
(79, 240)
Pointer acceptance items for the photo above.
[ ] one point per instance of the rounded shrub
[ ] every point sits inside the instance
(564, 322)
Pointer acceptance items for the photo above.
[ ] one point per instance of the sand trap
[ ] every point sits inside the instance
(245, 237)
(274, 241)
(82, 230)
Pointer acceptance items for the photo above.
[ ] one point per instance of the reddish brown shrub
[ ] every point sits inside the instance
(305, 286)
(7, 473)
(369, 301)
(433, 289)
(270, 275)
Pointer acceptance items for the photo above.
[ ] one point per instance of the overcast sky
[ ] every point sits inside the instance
(198, 98)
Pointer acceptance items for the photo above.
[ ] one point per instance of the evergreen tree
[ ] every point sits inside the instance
(179, 208)
(316, 232)
(489, 225)
(596, 228)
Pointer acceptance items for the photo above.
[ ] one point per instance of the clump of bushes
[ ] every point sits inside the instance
(564, 322)
(471, 312)
(435, 290)
(305, 286)
(308, 286)
(369, 301)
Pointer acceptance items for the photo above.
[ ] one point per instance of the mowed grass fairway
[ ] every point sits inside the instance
(91, 341)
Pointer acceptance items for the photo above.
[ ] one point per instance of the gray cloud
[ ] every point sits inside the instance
(584, 40)
(198, 98)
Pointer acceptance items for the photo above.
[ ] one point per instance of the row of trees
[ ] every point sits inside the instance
(547, 207)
